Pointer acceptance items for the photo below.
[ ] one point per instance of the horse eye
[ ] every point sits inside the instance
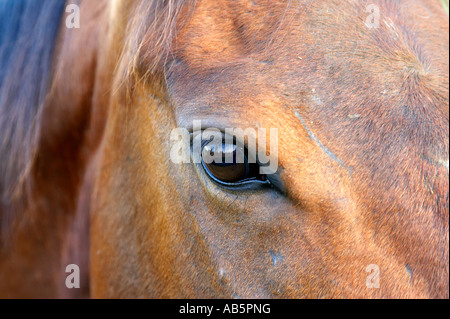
(228, 163)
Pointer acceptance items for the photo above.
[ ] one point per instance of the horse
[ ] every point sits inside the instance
(90, 92)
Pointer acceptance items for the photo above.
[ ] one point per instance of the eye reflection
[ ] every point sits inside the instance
(227, 163)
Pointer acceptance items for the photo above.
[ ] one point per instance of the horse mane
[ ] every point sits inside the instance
(28, 33)
(154, 31)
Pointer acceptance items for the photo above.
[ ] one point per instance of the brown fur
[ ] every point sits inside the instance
(363, 139)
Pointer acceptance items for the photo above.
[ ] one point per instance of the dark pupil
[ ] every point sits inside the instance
(234, 165)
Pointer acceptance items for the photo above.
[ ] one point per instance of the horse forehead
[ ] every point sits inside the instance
(305, 45)
(325, 72)
(223, 31)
